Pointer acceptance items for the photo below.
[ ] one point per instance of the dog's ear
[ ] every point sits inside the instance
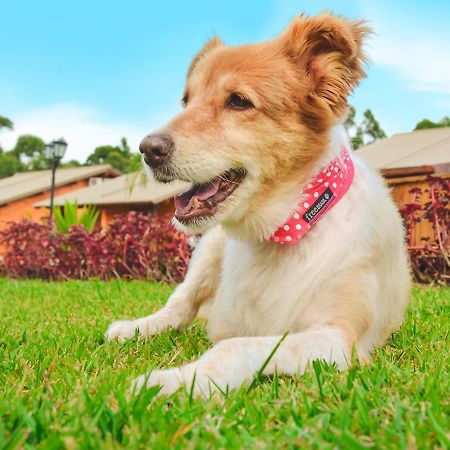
(210, 45)
(328, 49)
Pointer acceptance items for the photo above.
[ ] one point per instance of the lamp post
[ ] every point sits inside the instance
(54, 152)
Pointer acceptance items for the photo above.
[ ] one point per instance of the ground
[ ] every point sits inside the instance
(62, 385)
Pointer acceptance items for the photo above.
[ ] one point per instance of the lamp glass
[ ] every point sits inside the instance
(49, 151)
(60, 147)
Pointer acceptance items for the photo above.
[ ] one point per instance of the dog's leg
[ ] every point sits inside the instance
(199, 286)
(233, 361)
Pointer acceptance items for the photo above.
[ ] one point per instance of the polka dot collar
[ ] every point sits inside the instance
(317, 197)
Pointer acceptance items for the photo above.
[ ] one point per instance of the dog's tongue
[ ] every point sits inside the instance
(184, 202)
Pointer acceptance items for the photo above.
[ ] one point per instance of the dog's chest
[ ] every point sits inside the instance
(261, 288)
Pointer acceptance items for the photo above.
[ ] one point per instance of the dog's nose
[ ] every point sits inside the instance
(157, 149)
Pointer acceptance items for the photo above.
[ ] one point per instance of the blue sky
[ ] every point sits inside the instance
(93, 71)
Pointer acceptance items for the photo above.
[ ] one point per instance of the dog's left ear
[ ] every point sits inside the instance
(210, 45)
(328, 49)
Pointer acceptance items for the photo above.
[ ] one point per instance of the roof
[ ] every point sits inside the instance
(126, 189)
(24, 184)
(417, 148)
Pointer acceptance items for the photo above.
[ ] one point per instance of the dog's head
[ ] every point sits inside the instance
(255, 117)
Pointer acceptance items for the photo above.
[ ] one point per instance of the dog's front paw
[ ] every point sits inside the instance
(169, 380)
(191, 377)
(122, 330)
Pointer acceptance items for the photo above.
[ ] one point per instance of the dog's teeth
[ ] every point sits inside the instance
(195, 203)
(232, 176)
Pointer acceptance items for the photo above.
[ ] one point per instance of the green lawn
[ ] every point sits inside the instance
(62, 385)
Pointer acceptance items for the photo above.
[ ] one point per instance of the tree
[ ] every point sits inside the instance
(368, 131)
(6, 123)
(99, 155)
(371, 127)
(9, 165)
(135, 162)
(117, 160)
(38, 162)
(29, 146)
(108, 154)
(353, 129)
(30, 151)
(120, 157)
(124, 147)
(71, 163)
(350, 121)
(427, 123)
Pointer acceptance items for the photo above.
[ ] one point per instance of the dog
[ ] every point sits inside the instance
(302, 255)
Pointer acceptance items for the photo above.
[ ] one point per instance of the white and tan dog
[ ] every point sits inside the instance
(260, 122)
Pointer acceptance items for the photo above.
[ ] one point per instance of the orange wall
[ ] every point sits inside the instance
(23, 208)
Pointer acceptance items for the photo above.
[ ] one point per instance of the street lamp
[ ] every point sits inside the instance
(54, 152)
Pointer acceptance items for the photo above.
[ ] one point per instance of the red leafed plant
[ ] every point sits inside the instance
(430, 262)
(134, 246)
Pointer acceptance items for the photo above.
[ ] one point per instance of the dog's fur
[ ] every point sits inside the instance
(344, 286)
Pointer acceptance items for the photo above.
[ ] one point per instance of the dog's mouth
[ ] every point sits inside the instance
(202, 200)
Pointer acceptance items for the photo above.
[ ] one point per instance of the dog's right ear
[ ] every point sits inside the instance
(210, 45)
(328, 50)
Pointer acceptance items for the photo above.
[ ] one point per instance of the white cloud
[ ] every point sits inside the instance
(419, 61)
(82, 127)
(414, 51)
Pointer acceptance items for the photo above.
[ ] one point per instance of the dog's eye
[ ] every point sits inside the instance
(184, 101)
(239, 102)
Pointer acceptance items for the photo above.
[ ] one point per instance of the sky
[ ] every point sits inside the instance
(94, 71)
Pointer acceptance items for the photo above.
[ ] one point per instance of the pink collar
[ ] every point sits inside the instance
(326, 188)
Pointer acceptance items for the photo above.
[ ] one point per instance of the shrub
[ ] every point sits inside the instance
(135, 245)
(430, 262)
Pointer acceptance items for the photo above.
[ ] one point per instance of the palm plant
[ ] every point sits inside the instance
(67, 217)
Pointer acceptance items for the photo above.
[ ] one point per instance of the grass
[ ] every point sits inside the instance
(63, 386)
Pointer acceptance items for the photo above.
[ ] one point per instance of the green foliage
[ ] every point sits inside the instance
(68, 216)
(368, 131)
(29, 146)
(371, 127)
(350, 120)
(427, 123)
(71, 163)
(120, 157)
(28, 154)
(135, 163)
(63, 386)
(6, 123)
(89, 217)
(38, 162)
(9, 164)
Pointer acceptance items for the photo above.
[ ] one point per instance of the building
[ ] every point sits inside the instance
(131, 192)
(20, 192)
(406, 160)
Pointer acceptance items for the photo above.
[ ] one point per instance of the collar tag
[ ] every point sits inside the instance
(319, 206)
